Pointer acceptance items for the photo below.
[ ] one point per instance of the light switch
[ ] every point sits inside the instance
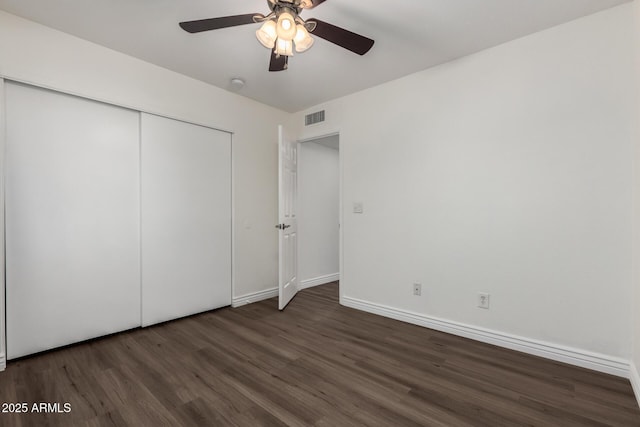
(357, 207)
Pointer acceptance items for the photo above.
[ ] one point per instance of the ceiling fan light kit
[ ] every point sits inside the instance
(302, 39)
(286, 28)
(284, 47)
(282, 35)
(267, 34)
(283, 29)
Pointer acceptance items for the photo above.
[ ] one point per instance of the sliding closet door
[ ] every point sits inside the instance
(186, 219)
(72, 219)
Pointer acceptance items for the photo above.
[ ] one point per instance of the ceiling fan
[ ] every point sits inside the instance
(283, 28)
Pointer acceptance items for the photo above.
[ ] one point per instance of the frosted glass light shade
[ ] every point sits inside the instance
(284, 47)
(286, 28)
(302, 39)
(267, 34)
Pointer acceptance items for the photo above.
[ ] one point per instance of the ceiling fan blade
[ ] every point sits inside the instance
(344, 38)
(278, 62)
(217, 23)
(310, 4)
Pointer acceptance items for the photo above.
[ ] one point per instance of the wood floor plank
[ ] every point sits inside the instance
(314, 364)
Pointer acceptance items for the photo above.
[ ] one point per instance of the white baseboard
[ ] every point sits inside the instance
(273, 292)
(3, 362)
(254, 297)
(320, 280)
(597, 362)
(635, 381)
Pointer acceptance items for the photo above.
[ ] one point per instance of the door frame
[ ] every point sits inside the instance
(340, 202)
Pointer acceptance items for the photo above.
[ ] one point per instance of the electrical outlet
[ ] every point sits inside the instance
(417, 289)
(483, 300)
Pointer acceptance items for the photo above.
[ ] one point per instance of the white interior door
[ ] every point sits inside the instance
(72, 219)
(186, 219)
(287, 217)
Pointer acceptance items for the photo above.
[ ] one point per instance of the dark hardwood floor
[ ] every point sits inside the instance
(315, 364)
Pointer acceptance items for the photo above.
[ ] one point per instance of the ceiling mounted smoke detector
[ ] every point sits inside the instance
(237, 83)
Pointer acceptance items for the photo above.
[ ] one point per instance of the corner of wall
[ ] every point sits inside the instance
(3, 358)
(635, 339)
(320, 280)
(635, 381)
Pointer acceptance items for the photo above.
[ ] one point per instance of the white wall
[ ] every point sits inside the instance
(318, 214)
(508, 172)
(42, 56)
(635, 377)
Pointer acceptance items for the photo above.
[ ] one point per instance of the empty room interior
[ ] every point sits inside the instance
(320, 213)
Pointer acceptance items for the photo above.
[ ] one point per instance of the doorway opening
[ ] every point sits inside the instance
(319, 211)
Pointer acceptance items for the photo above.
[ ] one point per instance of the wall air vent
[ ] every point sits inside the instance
(313, 118)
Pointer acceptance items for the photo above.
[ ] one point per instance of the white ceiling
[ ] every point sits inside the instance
(410, 35)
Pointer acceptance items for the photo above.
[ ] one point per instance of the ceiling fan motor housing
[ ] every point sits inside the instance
(294, 6)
